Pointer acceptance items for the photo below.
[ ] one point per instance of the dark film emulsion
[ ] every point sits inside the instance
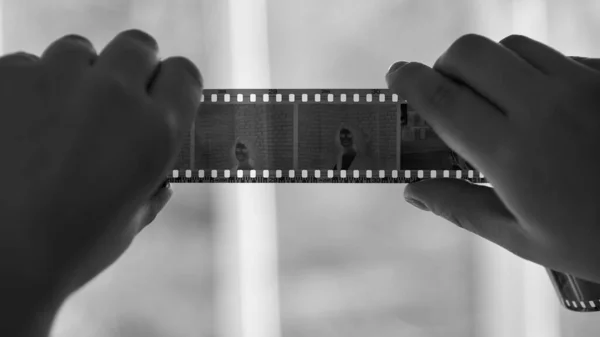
(423, 149)
(252, 136)
(184, 158)
(348, 137)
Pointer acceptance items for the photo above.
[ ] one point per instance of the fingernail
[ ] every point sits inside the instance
(391, 70)
(417, 204)
(396, 66)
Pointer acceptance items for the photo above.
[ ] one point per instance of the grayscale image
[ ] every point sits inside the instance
(244, 137)
(459, 163)
(184, 158)
(347, 136)
(421, 147)
(97, 242)
(244, 154)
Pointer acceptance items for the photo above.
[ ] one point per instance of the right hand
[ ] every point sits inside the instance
(528, 118)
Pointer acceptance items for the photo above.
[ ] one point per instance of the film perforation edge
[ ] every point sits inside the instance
(313, 135)
(315, 176)
(311, 96)
(581, 306)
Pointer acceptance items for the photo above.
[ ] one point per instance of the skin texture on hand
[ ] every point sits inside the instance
(528, 117)
(87, 141)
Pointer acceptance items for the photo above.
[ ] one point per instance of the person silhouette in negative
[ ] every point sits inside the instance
(242, 155)
(348, 151)
(349, 156)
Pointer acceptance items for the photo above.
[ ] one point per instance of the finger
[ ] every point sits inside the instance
(588, 62)
(474, 208)
(389, 78)
(469, 124)
(544, 58)
(132, 56)
(18, 58)
(492, 71)
(178, 87)
(73, 51)
(154, 206)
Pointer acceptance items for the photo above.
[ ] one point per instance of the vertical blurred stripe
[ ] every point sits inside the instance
(530, 18)
(249, 44)
(541, 309)
(2, 27)
(498, 297)
(541, 315)
(248, 304)
(514, 297)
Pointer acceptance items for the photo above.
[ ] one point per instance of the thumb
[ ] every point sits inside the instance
(474, 208)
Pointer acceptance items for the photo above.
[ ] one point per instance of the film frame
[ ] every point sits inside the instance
(313, 136)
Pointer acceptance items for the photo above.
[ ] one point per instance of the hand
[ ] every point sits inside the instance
(527, 117)
(87, 140)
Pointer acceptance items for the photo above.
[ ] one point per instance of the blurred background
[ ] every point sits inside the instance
(309, 260)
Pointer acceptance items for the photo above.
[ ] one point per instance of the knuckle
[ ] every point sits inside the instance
(161, 117)
(20, 55)
(468, 41)
(131, 104)
(410, 70)
(467, 47)
(144, 126)
(514, 40)
(442, 96)
(186, 65)
(71, 45)
(131, 52)
(115, 86)
(140, 36)
(76, 39)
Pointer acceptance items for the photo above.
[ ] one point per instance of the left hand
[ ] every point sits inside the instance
(90, 138)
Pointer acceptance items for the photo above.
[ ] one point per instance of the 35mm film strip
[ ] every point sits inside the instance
(328, 136)
(313, 136)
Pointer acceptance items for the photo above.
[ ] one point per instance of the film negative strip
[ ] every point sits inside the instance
(575, 294)
(328, 136)
(313, 136)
